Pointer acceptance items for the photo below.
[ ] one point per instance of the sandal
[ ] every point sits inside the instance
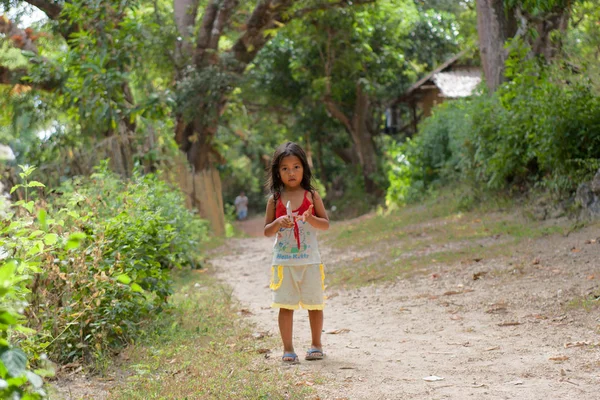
(314, 354)
(292, 355)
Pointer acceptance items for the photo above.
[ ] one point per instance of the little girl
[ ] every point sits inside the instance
(297, 272)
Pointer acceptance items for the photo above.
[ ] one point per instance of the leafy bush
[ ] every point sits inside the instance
(86, 302)
(539, 128)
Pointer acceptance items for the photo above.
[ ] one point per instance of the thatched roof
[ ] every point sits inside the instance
(452, 83)
(459, 83)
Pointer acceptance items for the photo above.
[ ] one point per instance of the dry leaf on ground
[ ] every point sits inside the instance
(581, 344)
(559, 358)
(509, 323)
(337, 331)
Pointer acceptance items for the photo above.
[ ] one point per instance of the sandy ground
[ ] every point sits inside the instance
(506, 335)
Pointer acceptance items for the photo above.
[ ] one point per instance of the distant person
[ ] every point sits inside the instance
(241, 206)
(294, 213)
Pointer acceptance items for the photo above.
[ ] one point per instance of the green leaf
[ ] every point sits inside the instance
(15, 361)
(74, 240)
(136, 288)
(124, 278)
(8, 318)
(35, 234)
(42, 218)
(29, 206)
(50, 239)
(35, 184)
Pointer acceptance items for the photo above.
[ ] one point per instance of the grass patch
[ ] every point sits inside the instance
(589, 303)
(398, 243)
(202, 349)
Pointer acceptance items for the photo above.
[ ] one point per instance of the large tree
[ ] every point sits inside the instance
(351, 64)
(206, 46)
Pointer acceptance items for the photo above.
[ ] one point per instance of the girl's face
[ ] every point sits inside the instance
(291, 171)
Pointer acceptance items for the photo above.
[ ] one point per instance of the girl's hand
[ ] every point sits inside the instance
(308, 214)
(285, 222)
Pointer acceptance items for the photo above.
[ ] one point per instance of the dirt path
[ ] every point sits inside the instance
(507, 335)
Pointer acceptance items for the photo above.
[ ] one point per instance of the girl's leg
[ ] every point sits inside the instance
(286, 328)
(316, 327)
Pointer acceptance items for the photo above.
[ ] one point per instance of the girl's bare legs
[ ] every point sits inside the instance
(286, 328)
(316, 327)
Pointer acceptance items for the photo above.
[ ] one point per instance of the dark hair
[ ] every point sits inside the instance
(274, 183)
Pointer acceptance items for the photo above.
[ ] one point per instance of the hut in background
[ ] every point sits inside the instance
(456, 78)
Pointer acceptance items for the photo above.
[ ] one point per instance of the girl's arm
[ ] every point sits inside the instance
(320, 220)
(273, 225)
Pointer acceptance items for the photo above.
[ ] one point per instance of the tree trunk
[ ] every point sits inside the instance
(542, 44)
(363, 140)
(494, 27)
(203, 184)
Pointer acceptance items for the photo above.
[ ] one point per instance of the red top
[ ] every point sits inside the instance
(280, 209)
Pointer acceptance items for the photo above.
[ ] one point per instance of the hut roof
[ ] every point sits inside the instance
(453, 83)
(459, 83)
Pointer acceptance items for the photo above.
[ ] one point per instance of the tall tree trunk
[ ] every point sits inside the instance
(195, 139)
(494, 27)
(363, 140)
(543, 44)
(358, 129)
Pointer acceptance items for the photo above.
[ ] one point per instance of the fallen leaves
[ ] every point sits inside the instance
(497, 308)
(454, 292)
(479, 275)
(559, 358)
(581, 344)
(337, 331)
(305, 383)
(509, 323)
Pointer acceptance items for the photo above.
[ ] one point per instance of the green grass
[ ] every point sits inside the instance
(590, 303)
(202, 349)
(401, 242)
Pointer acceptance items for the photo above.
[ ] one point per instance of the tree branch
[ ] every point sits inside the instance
(221, 22)
(185, 12)
(205, 31)
(266, 15)
(17, 77)
(338, 114)
(51, 8)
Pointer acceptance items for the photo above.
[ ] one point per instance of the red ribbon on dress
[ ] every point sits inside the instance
(297, 233)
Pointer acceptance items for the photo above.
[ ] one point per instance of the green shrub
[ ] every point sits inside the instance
(86, 302)
(539, 128)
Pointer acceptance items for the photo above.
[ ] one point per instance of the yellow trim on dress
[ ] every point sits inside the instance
(286, 306)
(313, 307)
(322, 268)
(274, 285)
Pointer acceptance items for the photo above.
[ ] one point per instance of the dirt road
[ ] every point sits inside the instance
(494, 329)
